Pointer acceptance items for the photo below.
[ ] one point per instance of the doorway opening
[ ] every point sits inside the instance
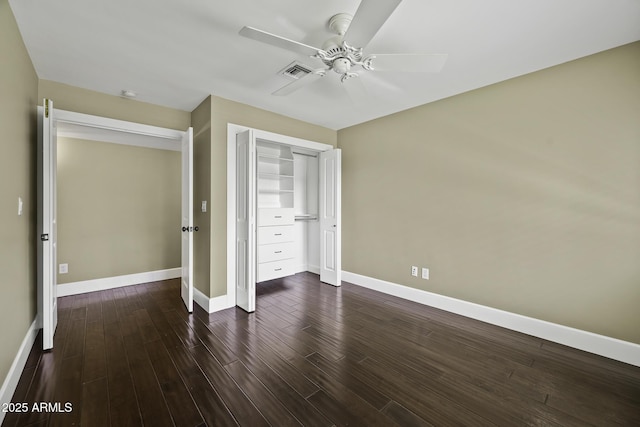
(71, 126)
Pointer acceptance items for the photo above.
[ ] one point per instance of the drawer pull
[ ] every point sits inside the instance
(277, 269)
(277, 252)
(278, 216)
(278, 234)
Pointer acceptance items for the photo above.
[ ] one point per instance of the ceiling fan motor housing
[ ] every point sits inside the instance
(339, 56)
(339, 23)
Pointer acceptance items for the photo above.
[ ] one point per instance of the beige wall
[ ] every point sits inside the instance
(118, 209)
(523, 196)
(223, 112)
(86, 101)
(18, 98)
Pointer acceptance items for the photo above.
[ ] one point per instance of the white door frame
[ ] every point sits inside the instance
(85, 126)
(232, 131)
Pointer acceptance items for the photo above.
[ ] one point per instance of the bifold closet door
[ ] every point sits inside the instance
(186, 282)
(245, 221)
(330, 217)
(47, 232)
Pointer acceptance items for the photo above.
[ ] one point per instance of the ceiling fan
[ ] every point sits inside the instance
(344, 53)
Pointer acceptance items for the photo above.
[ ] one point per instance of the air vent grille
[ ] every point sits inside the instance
(295, 70)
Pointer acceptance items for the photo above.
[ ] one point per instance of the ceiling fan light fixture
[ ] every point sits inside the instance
(347, 76)
(341, 65)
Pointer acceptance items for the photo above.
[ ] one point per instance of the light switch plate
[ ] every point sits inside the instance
(204, 206)
(63, 268)
(425, 273)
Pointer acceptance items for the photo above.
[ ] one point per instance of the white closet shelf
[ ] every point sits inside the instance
(273, 191)
(267, 158)
(273, 175)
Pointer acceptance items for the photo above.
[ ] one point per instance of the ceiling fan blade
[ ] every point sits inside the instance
(368, 19)
(301, 82)
(356, 90)
(281, 42)
(413, 62)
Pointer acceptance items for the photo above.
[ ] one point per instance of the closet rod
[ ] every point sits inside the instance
(305, 154)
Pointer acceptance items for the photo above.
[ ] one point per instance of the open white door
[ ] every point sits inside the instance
(47, 291)
(245, 221)
(330, 220)
(186, 284)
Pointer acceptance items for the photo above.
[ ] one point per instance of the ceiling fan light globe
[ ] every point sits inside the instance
(341, 65)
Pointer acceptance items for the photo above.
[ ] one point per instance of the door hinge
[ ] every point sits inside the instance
(44, 237)
(46, 108)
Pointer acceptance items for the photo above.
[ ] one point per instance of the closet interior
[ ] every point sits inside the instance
(287, 210)
(286, 207)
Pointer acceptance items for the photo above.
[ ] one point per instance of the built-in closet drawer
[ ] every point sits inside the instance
(275, 269)
(275, 252)
(275, 216)
(275, 234)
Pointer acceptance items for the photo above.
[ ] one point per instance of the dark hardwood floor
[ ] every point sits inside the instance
(310, 355)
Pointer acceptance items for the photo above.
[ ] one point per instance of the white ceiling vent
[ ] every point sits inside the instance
(295, 70)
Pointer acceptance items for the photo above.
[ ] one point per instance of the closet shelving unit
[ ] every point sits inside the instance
(275, 191)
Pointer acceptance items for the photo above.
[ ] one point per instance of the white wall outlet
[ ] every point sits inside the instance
(425, 273)
(203, 206)
(19, 206)
(414, 271)
(63, 268)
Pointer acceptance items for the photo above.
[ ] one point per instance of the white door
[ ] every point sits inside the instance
(330, 220)
(47, 291)
(245, 221)
(186, 284)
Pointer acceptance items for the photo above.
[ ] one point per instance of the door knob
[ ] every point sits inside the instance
(196, 228)
(184, 229)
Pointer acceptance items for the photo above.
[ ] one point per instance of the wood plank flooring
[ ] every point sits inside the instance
(311, 355)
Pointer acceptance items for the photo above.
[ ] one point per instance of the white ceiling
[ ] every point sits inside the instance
(175, 53)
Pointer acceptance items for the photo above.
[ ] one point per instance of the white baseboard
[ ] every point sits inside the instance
(85, 286)
(211, 305)
(13, 376)
(612, 348)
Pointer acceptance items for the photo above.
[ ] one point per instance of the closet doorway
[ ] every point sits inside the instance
(283, 210)
(53, 122)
